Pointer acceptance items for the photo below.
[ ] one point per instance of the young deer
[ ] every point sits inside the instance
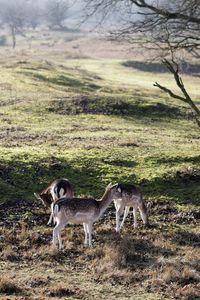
(127, 196)
(59, 188)
(80, 211)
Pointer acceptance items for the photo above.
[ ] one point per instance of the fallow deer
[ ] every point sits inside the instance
(80, 211)
(59, 188)
(127, 196)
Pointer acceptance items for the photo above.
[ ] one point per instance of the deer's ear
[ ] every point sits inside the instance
(37, 196)
(110, 184)
(119, 189)
(149, 206)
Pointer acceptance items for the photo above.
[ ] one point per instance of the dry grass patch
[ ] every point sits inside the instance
(174, 279)
(192, 258)
(8, 253)
(165, 246)
(155, 263)
(189, 292)
(24, 232)
(60, 291)
(112, 261)
(180, 275)
(106, 271)
(38, 282)
(9, 287)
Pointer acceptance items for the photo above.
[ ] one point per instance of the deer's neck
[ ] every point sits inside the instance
(104, 202)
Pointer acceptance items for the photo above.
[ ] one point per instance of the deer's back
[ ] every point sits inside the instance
(78, 210)
(131, 194)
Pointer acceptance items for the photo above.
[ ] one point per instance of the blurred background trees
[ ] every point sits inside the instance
(56, 13)
(19, 15)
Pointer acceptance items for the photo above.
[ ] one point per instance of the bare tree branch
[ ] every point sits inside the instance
(156, 84)
(151, 18)
(166, 13)
(173, 68)
(170, 27)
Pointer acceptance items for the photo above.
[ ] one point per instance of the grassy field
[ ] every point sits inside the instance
(67, 113)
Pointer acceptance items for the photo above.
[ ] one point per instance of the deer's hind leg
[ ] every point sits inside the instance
(57, 234)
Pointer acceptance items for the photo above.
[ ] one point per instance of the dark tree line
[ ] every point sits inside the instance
(168, 26)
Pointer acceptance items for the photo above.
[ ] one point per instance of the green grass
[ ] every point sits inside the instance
(79, 122)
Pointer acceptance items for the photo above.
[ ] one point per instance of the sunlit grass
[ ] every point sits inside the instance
(145, 138)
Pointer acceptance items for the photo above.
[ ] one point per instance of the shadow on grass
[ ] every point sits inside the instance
(185, 238)
(110, 106)
(183, 190)
(122, 163)
(156, 67)
(126, 252)
(178, 159)
(20, 178)
(67, 81)
(87, 84)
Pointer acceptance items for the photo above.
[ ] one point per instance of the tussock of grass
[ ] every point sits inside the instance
(192, 258)
(180, 275)
(9, 287)
(106, 268)
(38, 281)
(8, 253)
(60, 291)
(188, 292)
(176, 281)
(113, 261)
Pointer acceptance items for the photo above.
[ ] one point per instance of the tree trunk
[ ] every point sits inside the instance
(13, 32)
